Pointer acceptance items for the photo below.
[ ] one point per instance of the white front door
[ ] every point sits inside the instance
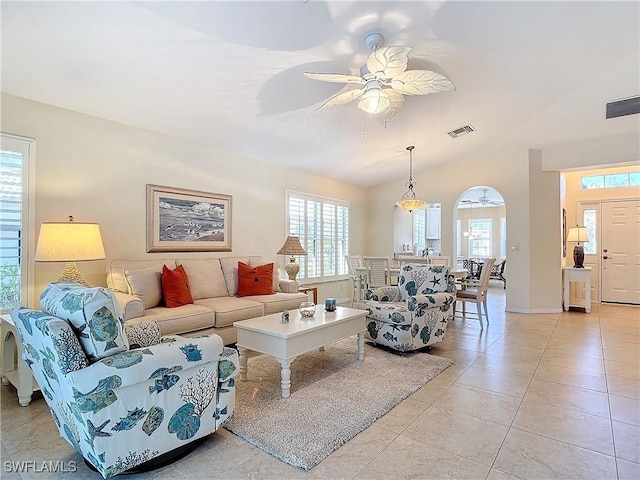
(620, 252)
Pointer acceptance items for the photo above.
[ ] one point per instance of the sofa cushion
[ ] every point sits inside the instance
(255, 280)
(231, 309)
(93, 312)
(175, 287)
(205, 278)
(276, 271)
(279, 301)
(230, 269)
(186, 318)
(146, 284)
(116, 279)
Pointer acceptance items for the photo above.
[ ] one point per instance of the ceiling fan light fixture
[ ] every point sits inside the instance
(409, 202)
(374, 99)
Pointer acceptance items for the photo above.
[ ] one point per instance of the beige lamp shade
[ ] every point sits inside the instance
(292, 247)
(577, 234)
(70, 242)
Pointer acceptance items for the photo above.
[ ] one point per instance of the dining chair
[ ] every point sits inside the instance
(377, 271)
(497, 272)
(357, 272)
(475, 290)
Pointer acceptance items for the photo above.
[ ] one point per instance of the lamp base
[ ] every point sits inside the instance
(292, 268)
(578, 256)
(72, 274)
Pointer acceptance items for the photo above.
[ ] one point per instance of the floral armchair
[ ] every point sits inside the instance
(117, 405)
(414, 313)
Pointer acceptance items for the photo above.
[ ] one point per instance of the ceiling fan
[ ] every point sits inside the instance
(483, 200)
(385, 80)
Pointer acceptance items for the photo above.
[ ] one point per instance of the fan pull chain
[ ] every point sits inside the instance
(361, 125)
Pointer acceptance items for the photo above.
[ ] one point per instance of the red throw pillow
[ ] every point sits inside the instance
(175, 287)
(255, 280)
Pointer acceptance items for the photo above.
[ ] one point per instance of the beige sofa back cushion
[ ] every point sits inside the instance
(206, 279)
(230, 269)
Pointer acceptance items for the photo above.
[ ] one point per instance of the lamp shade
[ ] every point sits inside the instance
(577, 234)
(292, 247)
(69, 242)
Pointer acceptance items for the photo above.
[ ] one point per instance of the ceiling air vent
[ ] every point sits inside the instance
(621, 108)
(461, 131)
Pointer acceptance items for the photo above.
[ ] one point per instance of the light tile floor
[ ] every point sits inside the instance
(553, 396)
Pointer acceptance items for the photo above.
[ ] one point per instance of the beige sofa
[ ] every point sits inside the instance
(213, 283)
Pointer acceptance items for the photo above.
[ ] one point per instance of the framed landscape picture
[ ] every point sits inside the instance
(180, 220)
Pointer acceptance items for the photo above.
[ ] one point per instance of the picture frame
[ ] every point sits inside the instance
(181, 220)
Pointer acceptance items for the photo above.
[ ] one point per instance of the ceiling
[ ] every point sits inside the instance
(230, 74)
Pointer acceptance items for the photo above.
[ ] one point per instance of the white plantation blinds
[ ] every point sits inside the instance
(323, 227)
(14, 156)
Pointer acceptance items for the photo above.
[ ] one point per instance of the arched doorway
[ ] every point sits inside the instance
(480, 229)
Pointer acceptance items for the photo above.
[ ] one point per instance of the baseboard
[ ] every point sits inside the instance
(533, 310)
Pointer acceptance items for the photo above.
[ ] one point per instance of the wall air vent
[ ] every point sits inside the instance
(461, 131)
(624, 107)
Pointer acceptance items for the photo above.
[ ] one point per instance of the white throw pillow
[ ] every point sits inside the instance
(146, 284)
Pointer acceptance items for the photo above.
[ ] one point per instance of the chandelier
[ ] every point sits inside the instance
(408, 201)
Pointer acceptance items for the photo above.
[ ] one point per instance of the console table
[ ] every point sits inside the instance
(571, 274)
(15, 370)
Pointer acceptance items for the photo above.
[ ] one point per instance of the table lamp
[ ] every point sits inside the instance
(70, 242)
(292, 247)
(578, 234)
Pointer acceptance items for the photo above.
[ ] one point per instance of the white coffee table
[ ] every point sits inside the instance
(285, 341)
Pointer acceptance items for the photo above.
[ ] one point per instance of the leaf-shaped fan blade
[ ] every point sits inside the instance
(421, 82)
(397, 100)
(335, 77)
(390, 60)
(342, 98)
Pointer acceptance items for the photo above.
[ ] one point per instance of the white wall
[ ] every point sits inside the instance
(97, 171)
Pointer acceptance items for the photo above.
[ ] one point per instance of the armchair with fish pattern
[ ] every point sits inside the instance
(413, 314)
(127, 408)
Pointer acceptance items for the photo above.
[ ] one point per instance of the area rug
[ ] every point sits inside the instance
(334, 396)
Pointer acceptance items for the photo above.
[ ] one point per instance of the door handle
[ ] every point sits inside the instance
(605, 257)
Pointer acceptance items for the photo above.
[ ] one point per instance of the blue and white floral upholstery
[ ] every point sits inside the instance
(414, 313)
(127, 408)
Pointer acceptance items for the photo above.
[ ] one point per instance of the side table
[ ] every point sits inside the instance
(571, 274)
(15, 370)
(314, 290)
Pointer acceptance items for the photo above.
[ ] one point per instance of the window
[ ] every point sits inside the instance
(419, 228)
(16, 272)
(615, 180)
(503, 237)
(480, 237)
(589, 217)
(323, 227)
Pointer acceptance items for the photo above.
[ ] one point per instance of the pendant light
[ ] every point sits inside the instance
(408, 201)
